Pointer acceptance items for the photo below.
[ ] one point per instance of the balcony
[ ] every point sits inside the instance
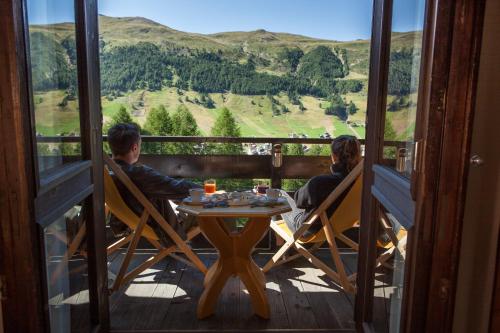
(300, 295)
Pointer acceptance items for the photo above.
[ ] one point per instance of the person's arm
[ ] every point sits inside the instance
(303, 197)
(153, 183)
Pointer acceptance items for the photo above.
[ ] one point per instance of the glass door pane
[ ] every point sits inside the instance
(389, 275)
(66, 273)
(52, 60)
(402, 85)
(64, 175)
(392, 173)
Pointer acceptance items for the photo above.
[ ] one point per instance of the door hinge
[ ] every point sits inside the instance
(3, 288)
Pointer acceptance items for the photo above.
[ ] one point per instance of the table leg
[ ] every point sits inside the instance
(249, 272)
(235, 251)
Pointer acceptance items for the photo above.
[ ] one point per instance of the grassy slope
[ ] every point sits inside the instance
(52, 119)
(255, 119)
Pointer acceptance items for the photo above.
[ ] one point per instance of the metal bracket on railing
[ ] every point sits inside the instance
(276, 163)
(277, 156)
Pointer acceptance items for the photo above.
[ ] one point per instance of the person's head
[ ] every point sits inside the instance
(125, 142)
(346, 151)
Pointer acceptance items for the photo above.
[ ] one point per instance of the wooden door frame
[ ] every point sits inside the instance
(91, 132)
(19, 245)
(21, 249)
(377, 95)
(446, 103)
(494, 325)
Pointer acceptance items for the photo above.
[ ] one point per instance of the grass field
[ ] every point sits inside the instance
(253, 113)
(52, 119)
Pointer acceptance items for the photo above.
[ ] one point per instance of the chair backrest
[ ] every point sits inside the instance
(120, 209)
(348, 213)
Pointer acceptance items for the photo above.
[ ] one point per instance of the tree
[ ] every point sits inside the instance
(226, 126)
(120, 117)
(206, 101)
(158, 122)
(302, 107)
(400, 80)
(291, 58)
(184, 124)
(389, 135)
(294, 150)
(389, 131)
(352, 108)
(321, 63)
(337, 107)
(347, 86)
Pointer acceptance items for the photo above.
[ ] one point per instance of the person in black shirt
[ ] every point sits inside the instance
(125, 143)
(346, 154)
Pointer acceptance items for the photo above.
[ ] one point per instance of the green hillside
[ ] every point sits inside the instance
(275, 84)
(253, 113)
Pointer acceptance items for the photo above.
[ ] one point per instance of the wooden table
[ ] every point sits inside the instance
(235, 249)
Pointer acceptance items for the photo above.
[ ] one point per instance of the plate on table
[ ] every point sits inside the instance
(268, 201)
(238, 202)
(189, 201)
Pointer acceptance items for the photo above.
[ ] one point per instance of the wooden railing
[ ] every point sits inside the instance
(231, 166)
(274, 166)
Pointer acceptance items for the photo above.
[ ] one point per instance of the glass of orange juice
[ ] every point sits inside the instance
(209, 186)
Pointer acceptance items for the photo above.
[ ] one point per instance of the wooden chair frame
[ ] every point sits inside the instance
(347, 282)
(133, 238)
(293, 241)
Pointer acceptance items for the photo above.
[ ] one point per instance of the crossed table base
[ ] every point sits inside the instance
(235, 253)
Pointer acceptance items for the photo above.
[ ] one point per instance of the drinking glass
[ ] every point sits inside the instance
(210, 186)
(262, 187)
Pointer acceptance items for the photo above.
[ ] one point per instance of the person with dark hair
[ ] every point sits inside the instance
(346, 154)
(125, 143)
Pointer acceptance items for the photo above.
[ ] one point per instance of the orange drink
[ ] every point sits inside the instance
(209, 186)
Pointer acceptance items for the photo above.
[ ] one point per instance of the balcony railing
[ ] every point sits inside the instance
(273, 165)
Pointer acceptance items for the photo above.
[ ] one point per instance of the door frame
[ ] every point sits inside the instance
(19, 251)
(23, 197)
(451, 41)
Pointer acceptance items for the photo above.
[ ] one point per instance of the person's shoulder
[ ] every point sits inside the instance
(138, 169)
(324, 180)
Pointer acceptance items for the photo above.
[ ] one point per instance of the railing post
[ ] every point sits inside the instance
(276, 164)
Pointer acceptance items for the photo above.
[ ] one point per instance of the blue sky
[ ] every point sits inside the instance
(328, 19)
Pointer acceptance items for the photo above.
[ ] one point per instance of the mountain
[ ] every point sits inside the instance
(275, 83)
(237, 45)
(262, 44)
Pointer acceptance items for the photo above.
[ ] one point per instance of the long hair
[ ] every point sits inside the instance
(347, 150)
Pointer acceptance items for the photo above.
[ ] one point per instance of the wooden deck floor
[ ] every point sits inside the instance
(165, 298)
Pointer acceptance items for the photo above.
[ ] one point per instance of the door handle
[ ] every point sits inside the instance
(476, 160)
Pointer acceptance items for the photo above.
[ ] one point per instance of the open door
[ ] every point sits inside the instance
(421, 98)
(68, 175)
(56, 192)
(393, 116)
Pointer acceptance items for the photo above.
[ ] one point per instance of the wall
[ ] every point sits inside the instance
(482, 212)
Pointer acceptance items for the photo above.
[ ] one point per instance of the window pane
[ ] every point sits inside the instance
(389, 276)
(305, 78)
(67, 279)
(54, 80)
(402, 88)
